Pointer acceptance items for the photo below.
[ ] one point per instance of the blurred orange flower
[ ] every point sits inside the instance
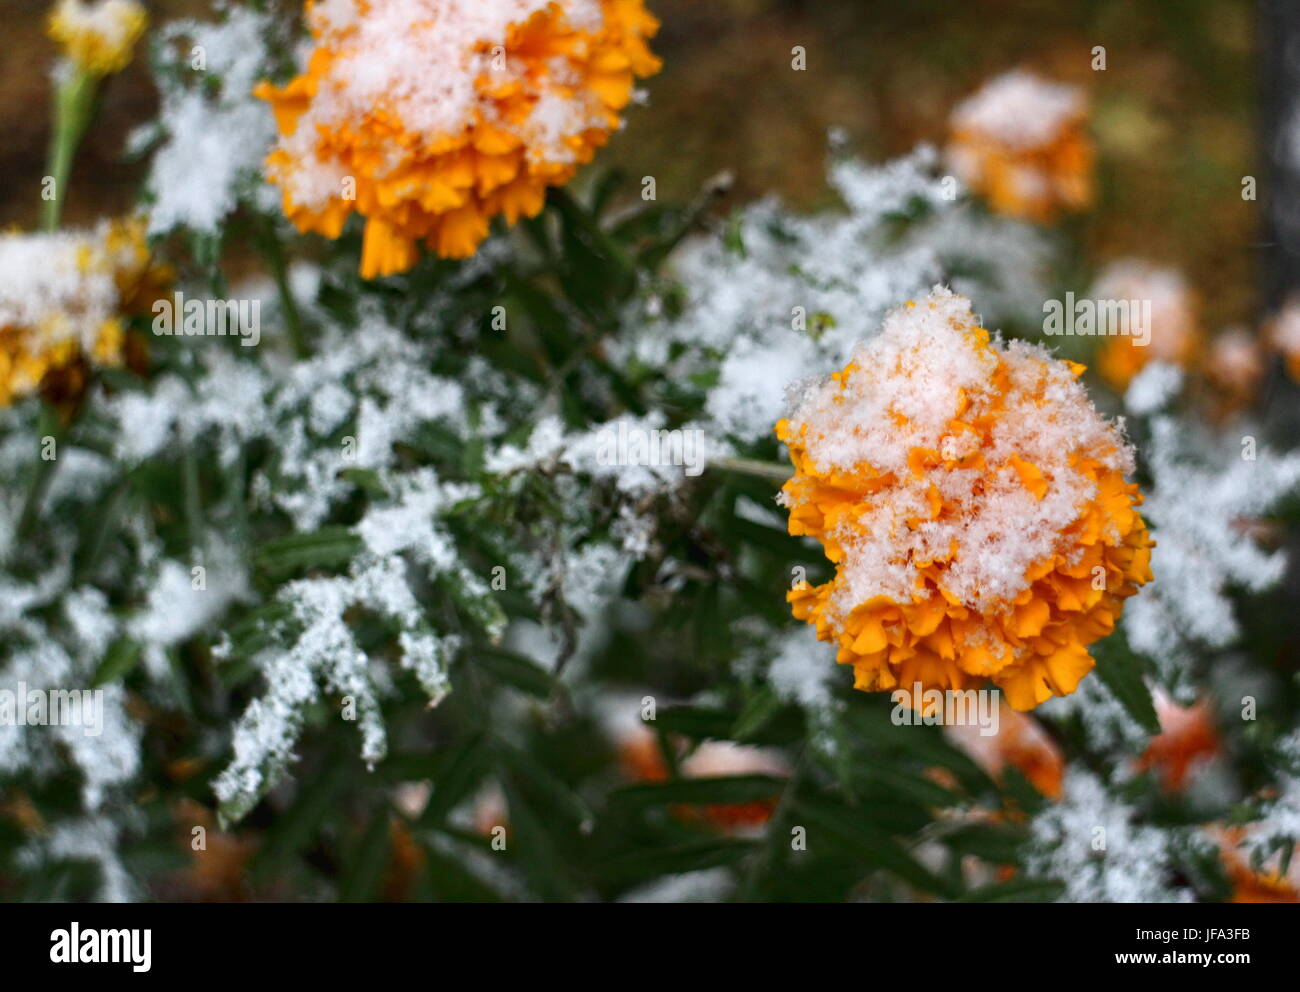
(1173, 334)
(1187, 737)
(1020, 743)
(1248, 884)
(1283, 335)
(1235, 364)
(1022, 143)
(641, 760)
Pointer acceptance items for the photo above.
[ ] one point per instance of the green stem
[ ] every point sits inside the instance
(88, 563)
(43, 472)
(74, 99)
(35, 493)
(193, 504)
(274, 253)
(752, 466)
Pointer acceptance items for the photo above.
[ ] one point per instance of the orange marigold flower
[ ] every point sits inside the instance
(641, 760)
(974, 505)
(1268, 884)
(1172, 334)
(1236, 365)
(1187, 738)
(65, 299)
(1022, 143)
(1020, 743)
(431, 117)
(713, 759)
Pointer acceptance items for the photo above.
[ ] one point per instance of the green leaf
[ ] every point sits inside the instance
(293, 829)
(483, 608)
(123, 655)
(1122, 673)
(367, 479)
(603, 190)
(448, 877)
(529, 839)
(695, 722)
(458, 771)
(1018, 890)
(916, 787)
(758, 710)
(996, 844)
(847, 829)
(693, 856)
(515, 670)
(364, 876)
(329, 547)
(596, 270)
(542, 785)
(717, 790)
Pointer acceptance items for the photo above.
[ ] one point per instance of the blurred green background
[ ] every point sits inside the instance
(1175, 111)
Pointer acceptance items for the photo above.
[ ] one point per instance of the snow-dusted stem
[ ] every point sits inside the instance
(274, 253)
(752, 466)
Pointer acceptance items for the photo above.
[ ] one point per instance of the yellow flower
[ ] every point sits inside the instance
(1021, 142)
(431, 117)
(98, 37)
(1161, 324)
(974, 505)
(65, 299)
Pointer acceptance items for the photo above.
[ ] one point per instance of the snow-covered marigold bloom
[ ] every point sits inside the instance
(1156, 296)
(975, 507)
(65, 299)
(98, 37)
(431, 117)
(1022, 143)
